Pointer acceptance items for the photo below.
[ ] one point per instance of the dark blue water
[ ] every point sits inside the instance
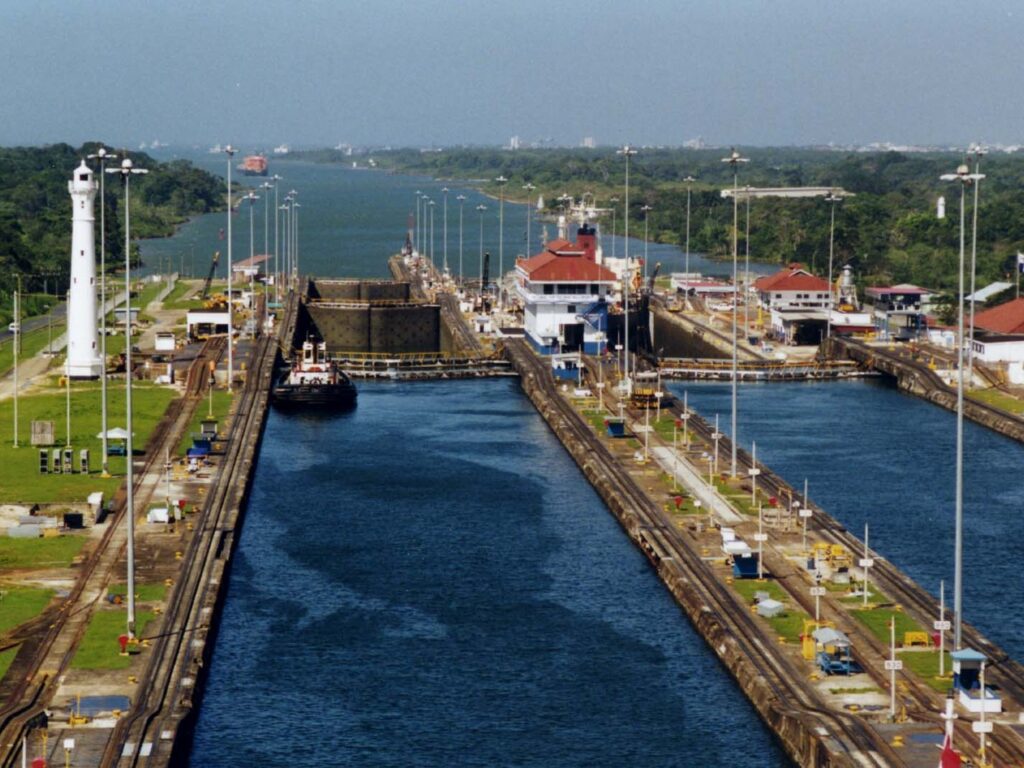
(875, 455)
(430, 581)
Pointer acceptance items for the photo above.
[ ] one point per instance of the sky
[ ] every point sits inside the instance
(445, 72)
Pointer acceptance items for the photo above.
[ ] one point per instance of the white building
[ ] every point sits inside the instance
(564, 292)
(83, 361)
(792, 288)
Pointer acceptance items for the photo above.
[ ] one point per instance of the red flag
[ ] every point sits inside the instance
(949, 757)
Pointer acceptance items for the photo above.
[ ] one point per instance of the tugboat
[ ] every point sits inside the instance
(314, 381)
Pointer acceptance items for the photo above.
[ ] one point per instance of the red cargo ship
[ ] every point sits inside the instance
(254, 165)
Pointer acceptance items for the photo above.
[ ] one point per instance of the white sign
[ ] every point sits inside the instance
(754, 472)
(805, 513)
(760, 537)
(982, 727)
(865, 562)
(942, 626)
(818, 591)
(893, 665)
(716, 435)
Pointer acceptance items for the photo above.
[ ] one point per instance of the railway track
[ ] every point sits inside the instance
(925, 703)
(850, 735)
(39, 681)
(145, 735)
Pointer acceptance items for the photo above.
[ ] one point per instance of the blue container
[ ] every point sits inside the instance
(745, 567)
(616, 427)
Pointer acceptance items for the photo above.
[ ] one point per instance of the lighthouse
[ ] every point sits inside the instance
(83, 361)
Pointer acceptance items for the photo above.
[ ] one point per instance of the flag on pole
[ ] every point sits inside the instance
(949, 758)
(1020, 261)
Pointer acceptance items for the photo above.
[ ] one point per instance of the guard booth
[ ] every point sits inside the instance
(833, 652)
(967, 664)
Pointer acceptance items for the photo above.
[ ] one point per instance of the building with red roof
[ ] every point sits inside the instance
(792, 288)
(1007, 318)
(564, 292)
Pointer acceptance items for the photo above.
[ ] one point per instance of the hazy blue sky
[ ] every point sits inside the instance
(384, 71)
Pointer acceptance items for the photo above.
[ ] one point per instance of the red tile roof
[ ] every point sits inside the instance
(549, 267)
(1006, 318)
(793, 278)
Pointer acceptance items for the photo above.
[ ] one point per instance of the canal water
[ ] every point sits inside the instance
(875, 455)
(430, 581)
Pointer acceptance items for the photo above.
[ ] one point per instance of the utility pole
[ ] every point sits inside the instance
(16, 342)
(230, 151)
(734, 159)
(626, 152)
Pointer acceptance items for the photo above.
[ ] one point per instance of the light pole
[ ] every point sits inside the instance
(230, 151)
(614, 201)
(444, 229)
(501, 237)
(647, 210)
(832, 198)
(14, 350)
(252, 197)
(423, 224)
(462, 200)
(734, 159)
(626, 152)
(277, 272)
(285, 209)
(295, 239)
(689, 188)
(430, 204)
(102, 155)
(529, 190)
(480, 209)
(746, 270)
(416, 233)
(964, 177)
(126, 170)
(977, 150)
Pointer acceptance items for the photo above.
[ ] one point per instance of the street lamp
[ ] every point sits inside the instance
(416, 238)
(734, 159)
(252, 197)
(626, 152)
(295, 240)
(832, 198)
(230, 152)
(462, 200)
(127, 170)
(286, 208)
(424, 197)
(614, 201)
(965, 178)
(689, 188)
(444, 230)
(277, 273)
(646, 209)
(977, 150)
(480, 209)
(102, 155)
(501, 236)
(430, 204)
(746, 270)
(529, 189)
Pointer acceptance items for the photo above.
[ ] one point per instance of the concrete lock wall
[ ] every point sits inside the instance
(344, 329)
(674, 339)
(405, 329)
(359, 290)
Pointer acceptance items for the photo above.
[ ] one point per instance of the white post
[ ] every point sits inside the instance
(277, 266)
(102, 155)
(647, 430)
(689, 186)
(462, 201)
(805, 515)
(686, 421)
(865, 563)
(754, 472)
(675, 458)
(67, 382)
(941, 627)
(734, 160)
(501, 238)
(760, 537)
(444, 228)
(231, 344)
(15, 341)
(626, 151)
(984, 727)
(716, 436)
(892, 667)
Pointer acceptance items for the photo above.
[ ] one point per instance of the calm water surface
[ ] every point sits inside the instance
(430, 581)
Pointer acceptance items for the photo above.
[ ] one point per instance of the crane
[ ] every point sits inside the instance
(209, 275)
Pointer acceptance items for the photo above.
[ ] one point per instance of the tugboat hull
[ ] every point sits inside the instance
(325, 396)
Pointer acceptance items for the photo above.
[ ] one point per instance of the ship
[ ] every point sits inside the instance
(313, 381)
(254, 165)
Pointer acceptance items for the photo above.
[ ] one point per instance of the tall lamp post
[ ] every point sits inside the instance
(977, 150)
(529, 207)
(746, 268)
(16, 341)
(430, 205)
(286, 208)
(626, 152)
(832, 198)
(480, 209)
(423, 224)
(734, 159)
(462, 200)
(102, 155)
(230, 151)
(689, 188)
(277, 272)
(444, 229)
(965, 178)
(416, 233)
(295, 240)
(501, 237)
(614, 201)
(127, 170)
(647, 210)
(252, 197)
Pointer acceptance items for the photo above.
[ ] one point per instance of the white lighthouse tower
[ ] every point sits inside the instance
(83, 360)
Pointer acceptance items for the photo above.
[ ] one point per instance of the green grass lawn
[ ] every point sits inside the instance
(221, 407)
(6, 659)
(99, 648)
(877, 620)
(174, 300)
(790, 623)
(144, 593)
(925, 664)
(19, 604)
(58, 552)
(999, 400)
(19, 467)
(32, 343)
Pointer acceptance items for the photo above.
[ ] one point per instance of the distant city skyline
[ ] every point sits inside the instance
(747, 72)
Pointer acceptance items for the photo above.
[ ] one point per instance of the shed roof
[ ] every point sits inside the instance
(1005, 318)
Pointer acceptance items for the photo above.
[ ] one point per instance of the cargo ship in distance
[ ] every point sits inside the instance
(254, 165)
(313, 381)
